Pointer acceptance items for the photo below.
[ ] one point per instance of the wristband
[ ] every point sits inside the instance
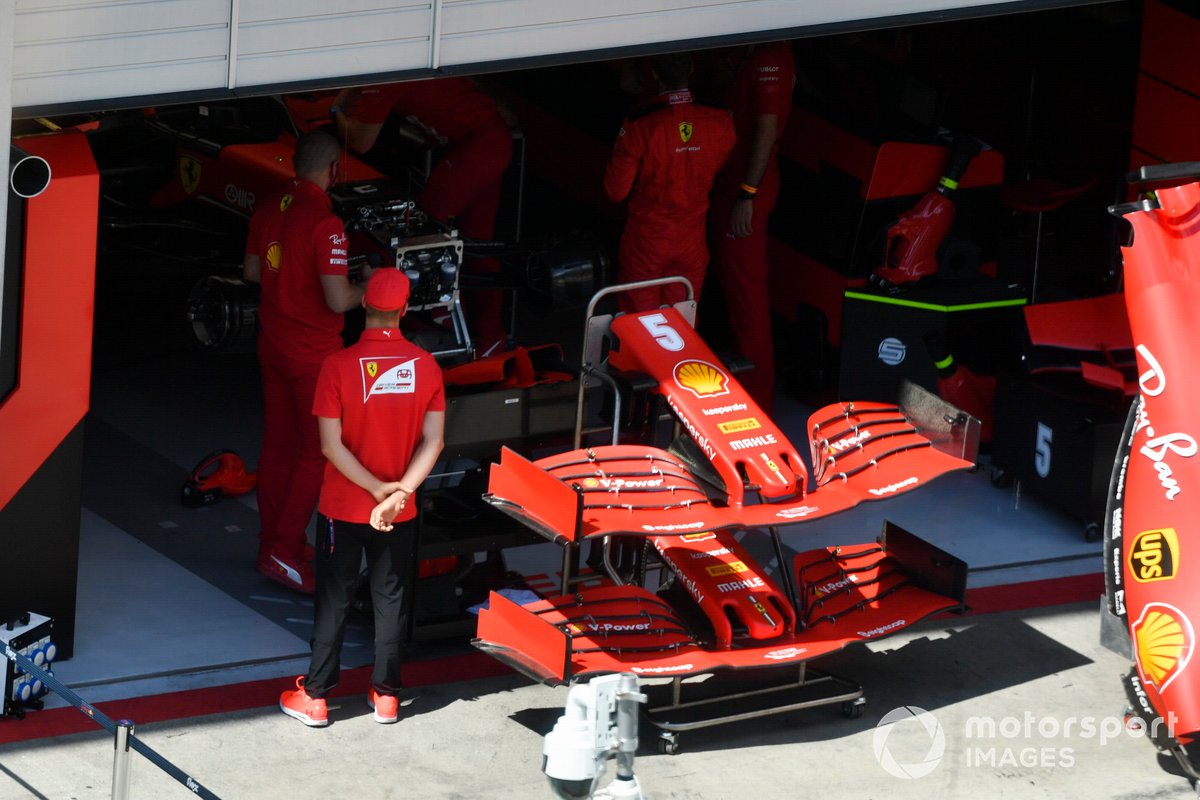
(406, 490)
(747, 192)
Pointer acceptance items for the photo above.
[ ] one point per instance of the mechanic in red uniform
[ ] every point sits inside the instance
(465, 186)
(746, 190)
(296, 248)
(381, 409)
(664, 161)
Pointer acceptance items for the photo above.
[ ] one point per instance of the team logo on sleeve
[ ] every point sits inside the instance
(388, 376)
(685, 131)
(285, 201)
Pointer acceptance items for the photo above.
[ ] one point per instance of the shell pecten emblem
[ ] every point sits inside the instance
(701, 378)
(1163, 642)
(274, 256)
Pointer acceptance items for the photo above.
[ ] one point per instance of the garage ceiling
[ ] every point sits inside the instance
(79, 54)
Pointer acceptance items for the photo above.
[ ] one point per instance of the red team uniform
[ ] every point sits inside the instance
(763, 85)
(465, 185)
(664, 161)
(380, 389)
(297, 239)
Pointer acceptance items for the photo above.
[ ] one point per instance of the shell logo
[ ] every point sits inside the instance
(1163, 642)
(701, 378)
(274, 256)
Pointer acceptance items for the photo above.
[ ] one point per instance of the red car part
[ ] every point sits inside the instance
(1151, 524)
(913, 240)
(830, 596)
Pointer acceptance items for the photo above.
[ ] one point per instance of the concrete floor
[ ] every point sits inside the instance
(1019, 705)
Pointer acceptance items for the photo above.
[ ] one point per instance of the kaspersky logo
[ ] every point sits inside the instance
(685, 131)
(701, 378)
(189, 173)
(1163, 641)
(1154, 556)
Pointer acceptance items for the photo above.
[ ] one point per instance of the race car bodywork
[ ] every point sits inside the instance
(1151, 524)
(719, 609)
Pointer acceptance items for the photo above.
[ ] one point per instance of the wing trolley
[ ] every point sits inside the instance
(719, 637)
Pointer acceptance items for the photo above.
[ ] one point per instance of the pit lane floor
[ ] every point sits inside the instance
(1011, 705)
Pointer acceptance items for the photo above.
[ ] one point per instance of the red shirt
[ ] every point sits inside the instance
(665, 160)
(763, 85)
(298, 239)
(380, 388)
(447, 109)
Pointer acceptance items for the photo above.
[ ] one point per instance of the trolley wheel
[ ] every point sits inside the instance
(853, 709)
(1092, 532)
(668, 743)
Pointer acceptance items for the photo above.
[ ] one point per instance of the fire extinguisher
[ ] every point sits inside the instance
(913, 240)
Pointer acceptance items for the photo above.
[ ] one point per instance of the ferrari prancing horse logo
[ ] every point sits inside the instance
(372, 368)
(685, 131)
(189, 173)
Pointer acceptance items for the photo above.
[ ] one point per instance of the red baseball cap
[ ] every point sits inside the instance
(387, 290)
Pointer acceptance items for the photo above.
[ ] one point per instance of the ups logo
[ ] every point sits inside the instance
(1154, 555)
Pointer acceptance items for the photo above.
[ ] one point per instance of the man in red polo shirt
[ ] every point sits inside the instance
(664, 161)
(743, 199)
(296, 248)
(475, 144)
(381, 409)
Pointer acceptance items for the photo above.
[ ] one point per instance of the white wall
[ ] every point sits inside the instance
(83, 51)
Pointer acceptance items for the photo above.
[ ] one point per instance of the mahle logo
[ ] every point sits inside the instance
(892, 351)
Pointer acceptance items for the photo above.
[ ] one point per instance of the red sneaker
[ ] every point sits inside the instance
(292, 574)
(387, 706)
(309, 710)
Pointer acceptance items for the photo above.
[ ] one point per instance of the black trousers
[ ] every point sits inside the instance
(340, 548)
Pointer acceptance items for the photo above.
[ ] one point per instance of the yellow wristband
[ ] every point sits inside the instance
(748, 189)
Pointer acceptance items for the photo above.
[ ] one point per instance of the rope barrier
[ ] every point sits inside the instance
(122, 728)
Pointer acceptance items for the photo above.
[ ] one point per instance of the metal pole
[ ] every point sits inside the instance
(121, 738)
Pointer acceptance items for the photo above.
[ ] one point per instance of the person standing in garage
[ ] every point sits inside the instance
(381, 408)
(471, 133)
(760, 98)
(296, 249)
(664, 161)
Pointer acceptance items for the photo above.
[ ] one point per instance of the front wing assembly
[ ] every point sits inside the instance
(846, 594)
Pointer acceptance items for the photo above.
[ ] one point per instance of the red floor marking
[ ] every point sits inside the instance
(235, 697)
(1036, 594)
